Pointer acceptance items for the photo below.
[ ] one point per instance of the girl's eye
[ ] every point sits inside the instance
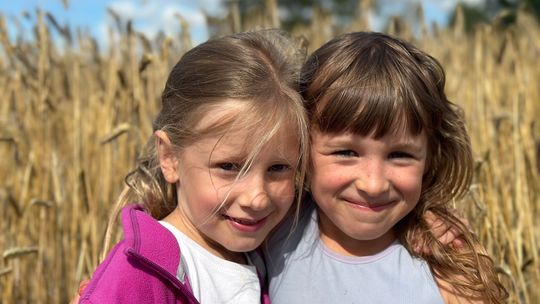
(229, 166)
(279, 168)
(345, 153)
(400, 154)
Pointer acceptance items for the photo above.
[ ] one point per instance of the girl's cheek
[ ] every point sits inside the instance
(282, 190)
(335, 173)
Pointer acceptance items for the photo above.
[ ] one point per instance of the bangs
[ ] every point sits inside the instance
(376, 104)
(260, 121)
(263, 118)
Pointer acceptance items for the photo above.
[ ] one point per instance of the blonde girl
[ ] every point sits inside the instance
(387, 148)
(221, 170)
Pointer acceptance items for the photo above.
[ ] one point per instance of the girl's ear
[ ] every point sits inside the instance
(168, 159)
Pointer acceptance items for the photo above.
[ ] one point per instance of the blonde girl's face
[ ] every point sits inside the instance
(363, 186)
(224, 214)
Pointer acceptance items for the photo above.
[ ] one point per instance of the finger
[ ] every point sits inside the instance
(429, 217)
(458, 243)
(439, 228)
(426, 250)
(82, 286)
(449, 236)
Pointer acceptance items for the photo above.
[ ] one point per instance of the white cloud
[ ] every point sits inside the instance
(211, 6)
(129, 10)
(151, 17)
(449, 5)
(376, 21)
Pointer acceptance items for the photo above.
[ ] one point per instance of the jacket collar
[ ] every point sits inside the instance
(149, 239)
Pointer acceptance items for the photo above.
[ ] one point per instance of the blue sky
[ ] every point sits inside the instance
(151, 16)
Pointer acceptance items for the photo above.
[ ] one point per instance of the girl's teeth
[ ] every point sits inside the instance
(243, 222)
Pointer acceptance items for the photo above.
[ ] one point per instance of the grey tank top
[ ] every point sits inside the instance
(301, 269)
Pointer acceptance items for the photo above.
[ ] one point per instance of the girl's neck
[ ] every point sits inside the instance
(179, 222)
(339, 242)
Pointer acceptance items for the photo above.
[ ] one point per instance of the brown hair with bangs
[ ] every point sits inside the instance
(260, 69)
(373, 84)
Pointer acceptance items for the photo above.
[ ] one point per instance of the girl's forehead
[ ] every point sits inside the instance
(238, 146)
(238, 139)
(249, 127)
(221, 113)
(247, 138)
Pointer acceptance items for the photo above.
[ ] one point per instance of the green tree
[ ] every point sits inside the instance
(472, 15)
(504, 12)
(294, 12)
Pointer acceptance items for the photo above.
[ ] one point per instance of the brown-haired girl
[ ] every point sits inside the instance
(221, 170)
(387, 147)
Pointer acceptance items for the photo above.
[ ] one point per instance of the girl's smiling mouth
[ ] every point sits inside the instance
(370, 207)
(245, 225)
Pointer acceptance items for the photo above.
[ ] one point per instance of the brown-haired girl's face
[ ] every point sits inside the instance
(221, 210)
(364, 185)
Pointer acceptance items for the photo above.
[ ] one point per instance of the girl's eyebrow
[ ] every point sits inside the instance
(336, 140)
(229, 154)
(221, 156)
(284, 159)
(413, 145)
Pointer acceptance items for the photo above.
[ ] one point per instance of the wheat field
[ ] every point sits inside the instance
(73, 118)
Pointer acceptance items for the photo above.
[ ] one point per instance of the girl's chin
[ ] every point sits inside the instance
(242, 247)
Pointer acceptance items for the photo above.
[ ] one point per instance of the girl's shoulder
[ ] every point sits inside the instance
(137, 267)
(114, 279)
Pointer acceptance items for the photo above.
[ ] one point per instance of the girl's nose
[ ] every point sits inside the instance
(372, 185)
(372, 181)
(252, 193)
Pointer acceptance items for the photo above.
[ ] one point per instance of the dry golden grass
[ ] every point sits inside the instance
(72, 121)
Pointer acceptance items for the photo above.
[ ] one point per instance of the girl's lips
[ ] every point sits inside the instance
(245, 225)
(368, 207)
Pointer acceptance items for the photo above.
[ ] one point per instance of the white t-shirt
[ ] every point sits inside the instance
(213, 279)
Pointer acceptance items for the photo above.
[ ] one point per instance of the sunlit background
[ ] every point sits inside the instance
(81, 81)
(153, 17)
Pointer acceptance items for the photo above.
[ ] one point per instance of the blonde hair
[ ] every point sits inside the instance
(260, 69)
(371, 83)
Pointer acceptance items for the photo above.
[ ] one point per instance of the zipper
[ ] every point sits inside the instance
(162, 272)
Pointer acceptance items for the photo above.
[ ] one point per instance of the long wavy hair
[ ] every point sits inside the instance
(258, 68)
(370, 83)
